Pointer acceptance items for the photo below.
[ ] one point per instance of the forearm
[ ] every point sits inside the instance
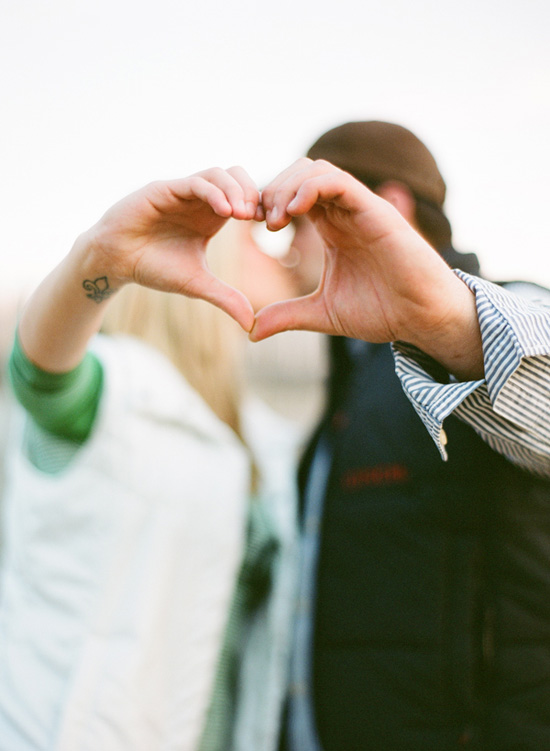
(67, 309)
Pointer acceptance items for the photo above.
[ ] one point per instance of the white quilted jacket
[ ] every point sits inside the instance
(117, 572)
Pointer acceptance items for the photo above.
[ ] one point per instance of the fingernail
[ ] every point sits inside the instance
(273, 215)
(250, 208)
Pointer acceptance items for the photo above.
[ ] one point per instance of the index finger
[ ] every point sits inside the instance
(251, 194)
(269, 190)
(319, 182)
(331, 187)
(219, 188)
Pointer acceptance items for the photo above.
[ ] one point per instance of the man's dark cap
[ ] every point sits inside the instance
(374, 152)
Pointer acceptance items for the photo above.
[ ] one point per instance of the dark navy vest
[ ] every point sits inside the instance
(432, 626)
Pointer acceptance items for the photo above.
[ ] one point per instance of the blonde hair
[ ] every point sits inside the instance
(204, 343)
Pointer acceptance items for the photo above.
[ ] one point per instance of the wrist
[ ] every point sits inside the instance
(93, 268)
(68, 308)
(455, 340)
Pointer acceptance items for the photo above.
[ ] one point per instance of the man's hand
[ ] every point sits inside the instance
(381, 281)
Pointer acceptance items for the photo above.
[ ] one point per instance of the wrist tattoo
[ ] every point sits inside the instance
(98, 289)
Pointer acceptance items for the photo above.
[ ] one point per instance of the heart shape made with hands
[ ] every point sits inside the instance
(275, 266)
(380, 280)
(353, 246)
(330, 198)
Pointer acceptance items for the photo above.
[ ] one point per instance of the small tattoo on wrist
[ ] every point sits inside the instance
(98, 289)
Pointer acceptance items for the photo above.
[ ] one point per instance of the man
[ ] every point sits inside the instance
(424, 615)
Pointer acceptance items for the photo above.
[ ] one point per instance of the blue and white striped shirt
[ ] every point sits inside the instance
(510, 407)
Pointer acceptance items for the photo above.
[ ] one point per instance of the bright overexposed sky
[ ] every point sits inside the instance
(99, 97)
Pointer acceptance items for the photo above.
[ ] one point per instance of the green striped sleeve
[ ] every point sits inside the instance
(64, 404)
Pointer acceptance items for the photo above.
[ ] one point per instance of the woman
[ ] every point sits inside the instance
(140, 545)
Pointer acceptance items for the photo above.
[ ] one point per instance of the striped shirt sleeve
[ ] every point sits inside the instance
(510, 407)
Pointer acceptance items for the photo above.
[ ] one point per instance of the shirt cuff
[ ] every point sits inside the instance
(512, 330)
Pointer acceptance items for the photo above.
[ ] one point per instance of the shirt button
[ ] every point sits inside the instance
(443, 437)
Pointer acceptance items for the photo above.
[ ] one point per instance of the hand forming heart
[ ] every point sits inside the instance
(381, 281)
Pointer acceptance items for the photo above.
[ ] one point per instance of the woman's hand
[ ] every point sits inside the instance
(156, 237)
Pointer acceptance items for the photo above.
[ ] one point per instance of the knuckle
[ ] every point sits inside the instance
(212, 173)
(195, 181)
(324, 164)
(155, 186)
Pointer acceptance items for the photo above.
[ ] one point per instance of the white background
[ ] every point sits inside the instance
(98, 98)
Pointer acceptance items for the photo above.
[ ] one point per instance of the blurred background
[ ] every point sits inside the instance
(100, 97)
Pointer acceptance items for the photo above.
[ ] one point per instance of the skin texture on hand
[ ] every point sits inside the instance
(381, 281)
(156, 237)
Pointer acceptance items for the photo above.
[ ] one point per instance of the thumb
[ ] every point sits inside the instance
(208, 287)
(306, 313)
